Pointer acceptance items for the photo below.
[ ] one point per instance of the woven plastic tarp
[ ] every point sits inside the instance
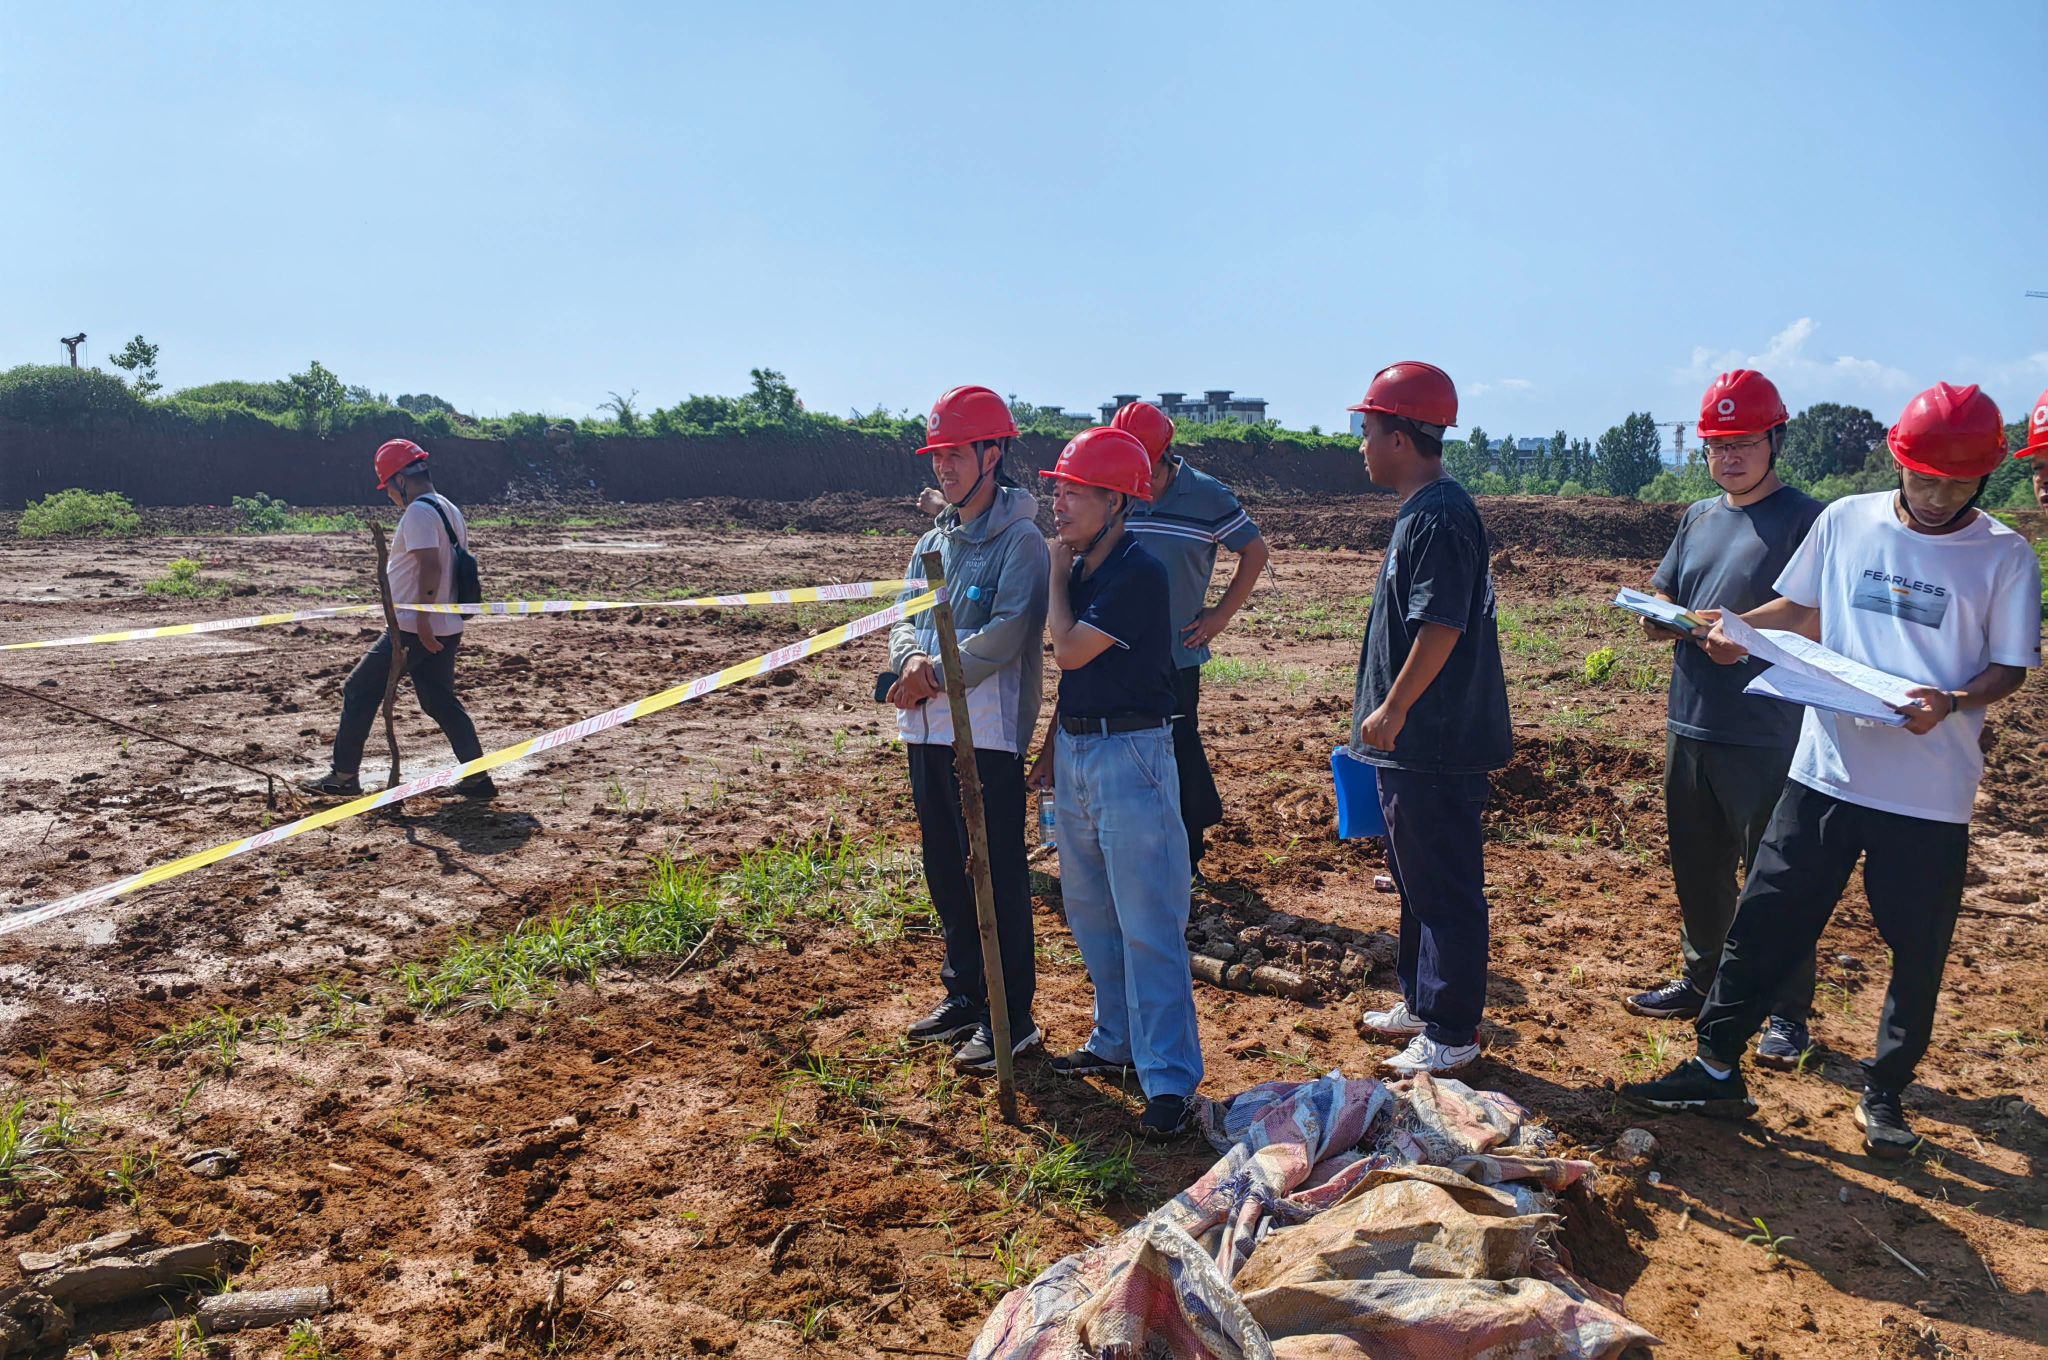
(1345, 1220)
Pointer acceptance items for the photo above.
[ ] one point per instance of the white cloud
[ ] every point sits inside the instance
(2020, 372)
(1503, 385)
(1784, 359)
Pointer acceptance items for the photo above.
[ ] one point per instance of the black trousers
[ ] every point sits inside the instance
(1913, 875)
(935, 791)
(433, 680)
(1201, 806)
(1718, 798)
(1437, 855)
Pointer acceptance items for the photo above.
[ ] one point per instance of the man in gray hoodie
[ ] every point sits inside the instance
(996, 564)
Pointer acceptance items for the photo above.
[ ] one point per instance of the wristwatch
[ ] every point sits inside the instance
(1955, 701)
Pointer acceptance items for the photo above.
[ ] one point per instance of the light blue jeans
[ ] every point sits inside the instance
(1124, 877)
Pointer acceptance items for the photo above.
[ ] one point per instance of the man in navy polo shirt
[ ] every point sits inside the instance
(1123, 850)
(1190, 514)
(1431, 716)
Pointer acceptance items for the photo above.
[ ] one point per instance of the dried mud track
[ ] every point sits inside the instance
(441, 1170)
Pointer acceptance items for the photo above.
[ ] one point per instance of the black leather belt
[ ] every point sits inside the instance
(1103, 727)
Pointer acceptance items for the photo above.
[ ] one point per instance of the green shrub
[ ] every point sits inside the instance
(57, 394)
(1600, 665)
(268, 397)
(1573, 489)
(344, 523)
(184, 582)
(1692, 484)
(263, 514)
(74, 511)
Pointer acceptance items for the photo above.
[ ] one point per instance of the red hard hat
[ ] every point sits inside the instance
(1414, 391)
(967, 415)
(2037, 430)
(1950, 432)
(1151, 426)
(1739, 403)
(1109, 458)
(395, 456)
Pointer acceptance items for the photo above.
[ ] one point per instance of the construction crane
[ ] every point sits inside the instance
(2036, 292)
(71, 344)
(1678, 429)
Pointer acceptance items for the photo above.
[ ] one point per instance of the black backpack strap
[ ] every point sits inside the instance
(434, 504)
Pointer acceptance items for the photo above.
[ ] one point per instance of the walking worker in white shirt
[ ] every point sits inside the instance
(421, 571)
(1922, 584)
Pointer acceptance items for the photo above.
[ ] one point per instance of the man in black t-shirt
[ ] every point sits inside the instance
(1109, 759)
(1727, 753)
(1431, 714)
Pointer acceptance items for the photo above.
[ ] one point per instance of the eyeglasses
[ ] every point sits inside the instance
(1728, 447)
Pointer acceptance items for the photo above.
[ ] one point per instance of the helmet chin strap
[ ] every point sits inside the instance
(1966, 507)
(1762, 477)
(986, 473)
(1107, 525)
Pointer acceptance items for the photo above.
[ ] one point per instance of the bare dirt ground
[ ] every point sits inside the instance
(737, 1156)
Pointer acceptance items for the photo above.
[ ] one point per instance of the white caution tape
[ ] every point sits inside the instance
(561, 736)
(856, 590)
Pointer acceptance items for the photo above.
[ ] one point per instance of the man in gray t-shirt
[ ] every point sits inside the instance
(1727, 753)
(1190, 515)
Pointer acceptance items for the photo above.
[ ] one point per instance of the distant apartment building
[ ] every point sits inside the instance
(1216, 404)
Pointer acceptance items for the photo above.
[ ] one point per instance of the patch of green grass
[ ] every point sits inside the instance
(220, 1032)
(300, 522)
(24, 1143)
(1077, 1173)
(1654, 1055)
(304, 1342)
(182, 581)
(106, 513)
(1308, 619)
(129, 1173)
(1599, 665)
(831, 1076)
(863, 884)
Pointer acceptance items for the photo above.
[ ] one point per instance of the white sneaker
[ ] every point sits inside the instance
(1396, 1023)
(1425, 1054)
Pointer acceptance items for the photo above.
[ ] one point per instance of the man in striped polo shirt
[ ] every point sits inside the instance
(1189, 515)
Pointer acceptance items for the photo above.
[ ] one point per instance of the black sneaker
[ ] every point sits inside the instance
(1691, 1087)
(1784, 1043)
(1883, 1122)
(476, 786)
(1165, 1118)
(1677, 999)
(1084, 1062)
(333, 785)
(954, 1018)
(978, 1054)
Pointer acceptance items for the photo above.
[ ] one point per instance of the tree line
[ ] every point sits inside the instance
(1829, 449)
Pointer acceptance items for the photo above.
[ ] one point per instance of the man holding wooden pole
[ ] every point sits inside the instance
(421, 571)
(995, 566)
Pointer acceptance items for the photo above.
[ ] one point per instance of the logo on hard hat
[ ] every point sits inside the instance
(935, 422)
(1726, 406)
(2041, 416)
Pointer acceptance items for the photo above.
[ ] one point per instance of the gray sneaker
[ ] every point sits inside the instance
(978, 1054)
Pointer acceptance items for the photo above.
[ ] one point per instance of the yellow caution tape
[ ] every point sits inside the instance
(856, 590)
(561, 736)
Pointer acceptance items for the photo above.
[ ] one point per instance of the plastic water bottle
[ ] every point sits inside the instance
(1046, 837)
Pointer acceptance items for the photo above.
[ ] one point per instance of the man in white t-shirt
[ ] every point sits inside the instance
(1919, 583)
(421, 571)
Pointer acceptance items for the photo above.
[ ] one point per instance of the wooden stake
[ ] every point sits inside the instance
(398, 656)
(972, 809)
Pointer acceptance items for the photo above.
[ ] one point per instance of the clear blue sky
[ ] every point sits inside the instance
(1577, 210)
